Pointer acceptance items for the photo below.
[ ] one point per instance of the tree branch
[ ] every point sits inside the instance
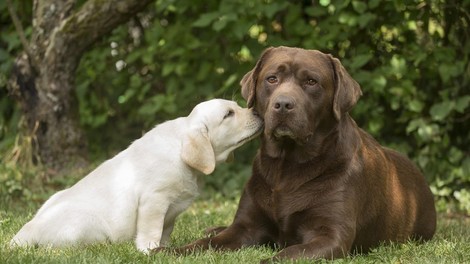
(20, 31)
(95, 19)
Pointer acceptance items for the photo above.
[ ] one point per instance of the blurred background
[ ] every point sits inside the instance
(112, 80)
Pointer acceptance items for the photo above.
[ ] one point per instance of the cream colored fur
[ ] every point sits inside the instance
(137, 194)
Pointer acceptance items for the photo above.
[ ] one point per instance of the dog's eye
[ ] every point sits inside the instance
(311, 82)
(272, 79)
(229, 113)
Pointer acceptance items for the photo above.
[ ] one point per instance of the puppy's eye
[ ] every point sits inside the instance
(311, 82)
(229, 113)
(272, 79)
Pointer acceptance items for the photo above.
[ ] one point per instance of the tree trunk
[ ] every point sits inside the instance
(43, 79)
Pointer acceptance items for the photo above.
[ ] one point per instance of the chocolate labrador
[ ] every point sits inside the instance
(321, 187)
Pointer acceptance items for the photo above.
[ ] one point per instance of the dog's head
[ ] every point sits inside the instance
(299, 92)
(216, 128)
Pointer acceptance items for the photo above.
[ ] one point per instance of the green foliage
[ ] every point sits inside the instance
(9, 46)
(11, 183)
(410, 57)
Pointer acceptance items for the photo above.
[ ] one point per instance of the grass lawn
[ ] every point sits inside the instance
(451, 243)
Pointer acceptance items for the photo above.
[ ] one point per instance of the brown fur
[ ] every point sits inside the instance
(321, 187)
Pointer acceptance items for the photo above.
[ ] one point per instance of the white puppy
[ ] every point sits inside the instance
(138, 193)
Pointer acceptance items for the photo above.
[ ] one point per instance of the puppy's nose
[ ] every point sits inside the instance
(284, 103)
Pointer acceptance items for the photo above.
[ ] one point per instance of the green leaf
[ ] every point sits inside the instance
(136, 81)
(416, 106)
(240, 29)
(398, 65)
(315, 11)
(359, 6)
(396, 90)
(157, 103)
(448, 71)
(414, 125)
(462, 103)
(220, 24)
(273, 8)
(126, 96)
(168, 68)
(206, 19)
(360, 60)
(427, 132)
(204, 71)
(365, 19)
(180, 68)
(379, 81)
(441, 110)
(347, 19)
(230, 81)
(466, 167)
(3, 55)
(325, 2)
(373, 3)
(455, 155)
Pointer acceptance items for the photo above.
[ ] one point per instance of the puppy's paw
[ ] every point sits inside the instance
(146, 246)
(13, 243)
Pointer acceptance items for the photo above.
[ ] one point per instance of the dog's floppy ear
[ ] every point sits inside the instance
(347, 90)
(248, 88)
(197, 150)
(248, 82)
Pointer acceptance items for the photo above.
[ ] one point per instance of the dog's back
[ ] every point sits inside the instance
(418, 200)
(401, 207)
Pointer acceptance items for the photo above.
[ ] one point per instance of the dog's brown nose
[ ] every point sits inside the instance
(284, 104)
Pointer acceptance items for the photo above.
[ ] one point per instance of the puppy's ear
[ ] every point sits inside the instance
(248, 82)
(197, 151)
(347, 90)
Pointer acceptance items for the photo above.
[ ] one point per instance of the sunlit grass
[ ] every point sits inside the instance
(450, 245)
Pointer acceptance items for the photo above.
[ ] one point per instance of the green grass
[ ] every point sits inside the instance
(451, 243)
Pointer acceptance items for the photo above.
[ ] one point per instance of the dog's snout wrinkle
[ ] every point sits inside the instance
(284, 104)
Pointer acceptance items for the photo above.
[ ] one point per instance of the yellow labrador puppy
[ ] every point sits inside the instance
(138, 193)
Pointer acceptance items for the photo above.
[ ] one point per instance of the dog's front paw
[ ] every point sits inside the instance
(213, 231)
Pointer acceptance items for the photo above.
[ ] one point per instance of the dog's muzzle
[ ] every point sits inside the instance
(283, 104)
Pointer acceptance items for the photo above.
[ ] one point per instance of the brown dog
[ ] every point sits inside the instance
(321, 187)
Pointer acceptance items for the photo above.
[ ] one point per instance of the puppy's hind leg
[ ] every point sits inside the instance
(25, 237)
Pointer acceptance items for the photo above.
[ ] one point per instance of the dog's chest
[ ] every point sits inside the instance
(282, 203)
(287, 198)
(281, 196)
